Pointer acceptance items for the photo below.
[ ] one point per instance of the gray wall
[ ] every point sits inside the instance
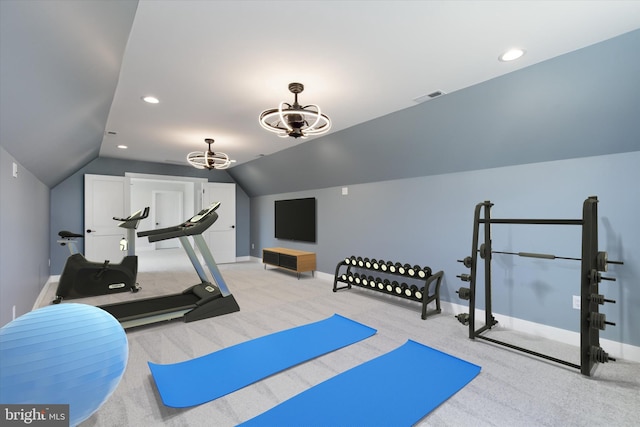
(429, 221)
(570, 123)
(67, 200)
(24, 244)
(585, 103)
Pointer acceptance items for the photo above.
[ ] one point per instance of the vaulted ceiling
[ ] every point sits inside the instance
(72, 74)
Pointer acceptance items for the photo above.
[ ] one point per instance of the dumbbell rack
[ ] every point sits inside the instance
(385, 281)
(592, 263)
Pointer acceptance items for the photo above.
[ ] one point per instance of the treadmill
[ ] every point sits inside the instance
(197, 302)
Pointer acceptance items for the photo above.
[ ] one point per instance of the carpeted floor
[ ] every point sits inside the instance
(512, 389)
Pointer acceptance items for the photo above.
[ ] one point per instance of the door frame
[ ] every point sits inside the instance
(154, 215)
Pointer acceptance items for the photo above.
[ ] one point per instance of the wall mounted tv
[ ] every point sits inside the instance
(295, 219)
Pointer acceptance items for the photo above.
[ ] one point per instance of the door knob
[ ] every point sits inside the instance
(233, 226)
(90, 231)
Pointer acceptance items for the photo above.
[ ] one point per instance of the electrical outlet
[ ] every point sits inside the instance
(253, 246)
(576, 302)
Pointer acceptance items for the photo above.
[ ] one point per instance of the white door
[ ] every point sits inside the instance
(221, 236)
(104, 198)
(167, 212)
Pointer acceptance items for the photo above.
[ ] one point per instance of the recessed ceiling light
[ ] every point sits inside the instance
(511, 54)
(150, 99)
(122, 147)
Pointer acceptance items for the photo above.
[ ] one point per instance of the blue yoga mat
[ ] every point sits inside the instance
(396, 389)
(209, 377)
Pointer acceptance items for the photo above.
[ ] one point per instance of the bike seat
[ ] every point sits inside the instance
(67, 234)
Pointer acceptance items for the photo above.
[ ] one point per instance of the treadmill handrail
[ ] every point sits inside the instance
(141, 214)
(133, 220)
(198, 224)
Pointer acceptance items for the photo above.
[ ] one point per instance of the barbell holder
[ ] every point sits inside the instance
(602, 261)
(596, 277)
(464, 293)
(600, 299)
(467, 261)
(597, 354)
(463, 318)
(599, 321)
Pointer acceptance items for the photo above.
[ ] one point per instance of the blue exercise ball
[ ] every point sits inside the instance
(69, 353)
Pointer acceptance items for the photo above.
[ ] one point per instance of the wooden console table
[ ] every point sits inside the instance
(290, 259)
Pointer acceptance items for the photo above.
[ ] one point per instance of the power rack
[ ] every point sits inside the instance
(592, 263)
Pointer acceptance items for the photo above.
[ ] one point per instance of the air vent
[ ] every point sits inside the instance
(429, 96)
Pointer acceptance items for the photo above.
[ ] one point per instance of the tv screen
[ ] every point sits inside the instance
(295, 219)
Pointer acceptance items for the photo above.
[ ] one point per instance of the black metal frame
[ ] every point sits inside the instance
(592, 262)
(429, 279)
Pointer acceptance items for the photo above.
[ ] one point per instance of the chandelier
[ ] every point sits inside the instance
(208, 159)
(295, 120)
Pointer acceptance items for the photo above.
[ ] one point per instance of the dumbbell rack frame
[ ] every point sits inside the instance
(589, 335)
(434, 279)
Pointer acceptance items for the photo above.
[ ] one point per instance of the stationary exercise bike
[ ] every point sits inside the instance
(83, 278)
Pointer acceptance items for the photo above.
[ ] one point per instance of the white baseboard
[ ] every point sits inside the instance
(615, 349)
(43, 291)
(324, 276)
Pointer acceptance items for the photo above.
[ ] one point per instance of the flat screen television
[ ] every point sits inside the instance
(295, 219)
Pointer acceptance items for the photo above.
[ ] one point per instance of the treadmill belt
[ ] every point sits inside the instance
(151, 306)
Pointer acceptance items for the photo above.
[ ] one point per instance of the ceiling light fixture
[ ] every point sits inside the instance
(208, 159)
(295, 120)
(511, 55)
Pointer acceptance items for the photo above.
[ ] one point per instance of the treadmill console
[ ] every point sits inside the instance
(204, 212)
(193, 226)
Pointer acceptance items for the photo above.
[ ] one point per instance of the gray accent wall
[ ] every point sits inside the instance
(67, 200)
(536, 142)
(24, 244)
(429, 221)
(585, 103)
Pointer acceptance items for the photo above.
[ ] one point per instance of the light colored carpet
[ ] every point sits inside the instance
(513, 389)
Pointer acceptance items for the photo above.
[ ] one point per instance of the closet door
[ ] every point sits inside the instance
(221, 236)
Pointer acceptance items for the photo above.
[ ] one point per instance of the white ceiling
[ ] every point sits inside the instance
(215, 65)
